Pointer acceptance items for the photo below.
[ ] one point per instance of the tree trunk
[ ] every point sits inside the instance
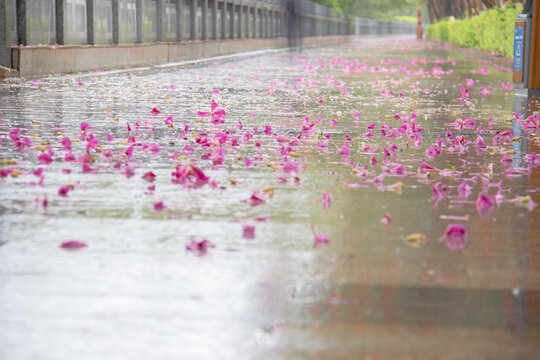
(490, 3)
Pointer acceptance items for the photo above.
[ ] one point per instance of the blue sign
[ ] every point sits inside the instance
(518, 49)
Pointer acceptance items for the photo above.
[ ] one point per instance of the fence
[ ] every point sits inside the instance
(363, 26)
(99, 22)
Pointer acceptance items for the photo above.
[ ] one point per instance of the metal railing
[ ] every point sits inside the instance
(363, 26)
(101, 22)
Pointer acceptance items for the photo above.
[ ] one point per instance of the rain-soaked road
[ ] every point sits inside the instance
(361, 201)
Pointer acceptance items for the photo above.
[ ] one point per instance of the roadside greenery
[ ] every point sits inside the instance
(376, 9)
(492, 30)
(409, 19)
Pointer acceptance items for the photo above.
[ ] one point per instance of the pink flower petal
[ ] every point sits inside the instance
(159, 206)
(149, 176)
(73, 245)
(199, 246)
(248, 232)
(85, 126)
(254, 200)
(63, 191)
(326, 201)
(169, 120)
(321, 240)
(456, 237)
(45, 158)
(484, 204)
(387, 219)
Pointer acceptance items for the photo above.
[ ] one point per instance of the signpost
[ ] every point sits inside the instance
(518, 51)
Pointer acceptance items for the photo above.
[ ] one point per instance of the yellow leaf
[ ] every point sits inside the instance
(415, 240)
(270, 191)
(395, 187)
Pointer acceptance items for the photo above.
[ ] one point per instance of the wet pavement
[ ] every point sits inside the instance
(363, 201)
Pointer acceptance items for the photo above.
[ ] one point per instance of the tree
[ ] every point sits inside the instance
(375, 9)
(440, 9)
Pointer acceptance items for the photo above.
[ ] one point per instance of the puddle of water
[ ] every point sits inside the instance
(276, 293)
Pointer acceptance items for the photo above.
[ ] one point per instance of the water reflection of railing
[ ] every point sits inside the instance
(95, 22)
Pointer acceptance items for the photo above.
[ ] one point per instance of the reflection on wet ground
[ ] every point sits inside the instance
(364, 200)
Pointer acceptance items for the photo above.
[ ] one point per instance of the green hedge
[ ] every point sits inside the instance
(492, 30)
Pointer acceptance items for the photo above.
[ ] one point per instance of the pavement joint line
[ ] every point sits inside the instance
(221, 57)
(181, 63)
(113, 72)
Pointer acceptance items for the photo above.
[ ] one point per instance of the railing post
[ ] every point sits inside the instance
(265, 22)
(231, 21)
(248, 21)
(240, 23)
(214, 19)
(419, 27)
(159, 18)
(5, 45)
(223, 20)
(278, 18)
(59, 17)
(254, 21)
(260, 17)
(268, 24)
(22, 38)
(115, 23)
(193, 19)
(90, 22)
(534, 69)
(138, 20)
(274, 24)
(271, 17)
(179, 20)
(204, 22)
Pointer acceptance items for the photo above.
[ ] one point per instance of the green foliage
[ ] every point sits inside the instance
(409, 19)
(492, 30)
(376, 9)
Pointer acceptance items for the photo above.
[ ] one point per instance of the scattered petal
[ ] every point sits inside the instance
(456, 237)
(73, 245)
(387, 219)
(248, 232)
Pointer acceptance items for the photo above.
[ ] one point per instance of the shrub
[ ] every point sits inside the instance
(492, 30)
